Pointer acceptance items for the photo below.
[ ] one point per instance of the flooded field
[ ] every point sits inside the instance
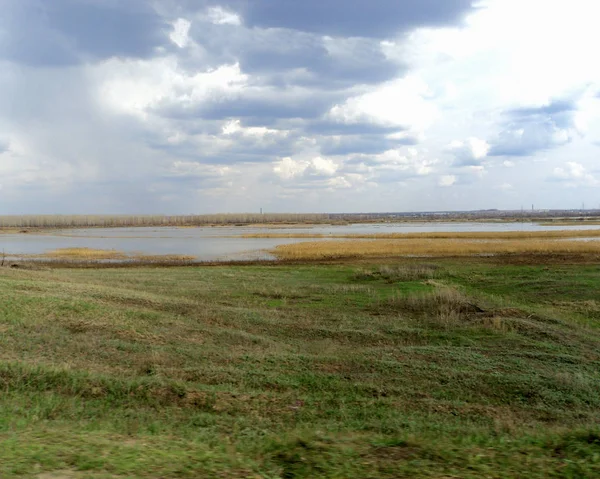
(225, 243)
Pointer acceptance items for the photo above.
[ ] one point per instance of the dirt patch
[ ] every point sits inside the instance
(541, 259)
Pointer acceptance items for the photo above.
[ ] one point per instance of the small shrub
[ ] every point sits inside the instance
(444, 305)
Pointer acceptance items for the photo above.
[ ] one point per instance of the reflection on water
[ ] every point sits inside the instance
(226, 243)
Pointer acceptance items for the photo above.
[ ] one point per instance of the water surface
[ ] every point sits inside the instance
(227, 243)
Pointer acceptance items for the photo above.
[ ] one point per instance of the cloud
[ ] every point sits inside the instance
(220, 16)
(288, 168)
(315, 173)
(67, 32)
(402, 104)
(367, 144)
(321, 167)
(447, 180)
(330, 127)
(201, 174)
(574, 174)
(265, 105)
(180, 35)
(192, 106)
(532, 129)
(290, 57)
(377, 18)
(393, 165)
(470, 152)
(138, 87)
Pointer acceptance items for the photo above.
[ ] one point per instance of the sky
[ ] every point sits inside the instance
(194, 106)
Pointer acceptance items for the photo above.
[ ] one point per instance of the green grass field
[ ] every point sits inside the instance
(439, 369)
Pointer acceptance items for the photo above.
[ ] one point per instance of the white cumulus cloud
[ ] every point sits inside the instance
(447, 180)
(180, 34)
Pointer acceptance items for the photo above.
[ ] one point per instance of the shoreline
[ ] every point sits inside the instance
(517, 258)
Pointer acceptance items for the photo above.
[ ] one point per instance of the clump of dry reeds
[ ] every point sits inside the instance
(476, 235)
(448, 307)
(327, 250)
(444, 305)
(84, 254)
(91, 255)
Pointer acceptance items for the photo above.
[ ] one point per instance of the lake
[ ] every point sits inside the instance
(227, 243)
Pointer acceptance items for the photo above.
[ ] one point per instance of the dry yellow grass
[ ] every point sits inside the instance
(479, 235)
(90, 254)
(84, 254)
(320, 250)
(593, 222)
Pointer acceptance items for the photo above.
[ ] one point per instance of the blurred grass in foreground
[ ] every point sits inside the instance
(395, 368)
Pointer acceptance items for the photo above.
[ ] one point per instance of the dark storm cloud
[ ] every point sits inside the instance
(361, 61)
(273, 52)
(374, 18)
(530, 130)
(65, 32)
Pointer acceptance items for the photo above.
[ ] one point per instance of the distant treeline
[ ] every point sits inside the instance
(73, 221)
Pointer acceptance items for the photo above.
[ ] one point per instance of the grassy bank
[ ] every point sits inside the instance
(467, 369)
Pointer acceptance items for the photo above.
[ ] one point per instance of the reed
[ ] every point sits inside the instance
(112, 221)
(94, 255)
(477, 235)
(323, 250)
(592, 222)
(83, 254)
